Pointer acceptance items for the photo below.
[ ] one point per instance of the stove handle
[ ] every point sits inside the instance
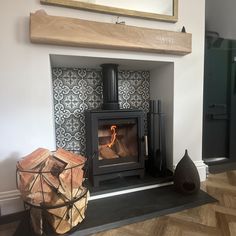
(146, 145)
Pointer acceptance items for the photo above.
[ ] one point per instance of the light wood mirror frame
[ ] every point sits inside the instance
(76, 4)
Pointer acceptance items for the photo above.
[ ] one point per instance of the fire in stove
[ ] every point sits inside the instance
(113, 136)
(117, 141)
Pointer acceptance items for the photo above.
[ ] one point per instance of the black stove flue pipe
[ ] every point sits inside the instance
(110, 86)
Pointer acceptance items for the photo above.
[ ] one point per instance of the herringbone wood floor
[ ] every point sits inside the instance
(218, 219)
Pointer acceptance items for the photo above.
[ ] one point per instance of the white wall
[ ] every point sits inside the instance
(221, 17)
(26, 120)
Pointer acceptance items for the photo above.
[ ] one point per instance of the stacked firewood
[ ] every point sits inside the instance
(53, 182)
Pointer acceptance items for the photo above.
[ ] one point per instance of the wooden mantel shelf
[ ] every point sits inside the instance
(66, 31)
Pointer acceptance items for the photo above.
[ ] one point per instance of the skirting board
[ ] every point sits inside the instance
(202, 169)
(10, 202)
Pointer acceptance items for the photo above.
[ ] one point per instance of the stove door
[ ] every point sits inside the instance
(117, 140)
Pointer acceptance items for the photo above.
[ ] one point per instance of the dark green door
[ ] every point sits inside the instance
(216, 107)
(232, 104)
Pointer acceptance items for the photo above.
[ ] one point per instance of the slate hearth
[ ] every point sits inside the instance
(112, 212)
(128, 183)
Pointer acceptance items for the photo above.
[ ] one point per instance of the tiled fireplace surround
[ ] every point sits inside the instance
(76, 90)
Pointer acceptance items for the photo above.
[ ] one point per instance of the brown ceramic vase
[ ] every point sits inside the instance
(186, 177)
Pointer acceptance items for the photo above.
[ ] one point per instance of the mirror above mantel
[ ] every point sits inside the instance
(163, 10)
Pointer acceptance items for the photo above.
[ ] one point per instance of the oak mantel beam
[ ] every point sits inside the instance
(67, 31)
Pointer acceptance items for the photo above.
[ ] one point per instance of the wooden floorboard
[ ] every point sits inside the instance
(8, 229)
(218, 219)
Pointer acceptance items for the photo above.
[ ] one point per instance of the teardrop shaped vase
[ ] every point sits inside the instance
(186, 177)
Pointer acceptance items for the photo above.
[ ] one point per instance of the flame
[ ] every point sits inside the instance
(113, 136)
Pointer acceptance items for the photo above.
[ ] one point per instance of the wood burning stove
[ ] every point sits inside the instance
(115, 138)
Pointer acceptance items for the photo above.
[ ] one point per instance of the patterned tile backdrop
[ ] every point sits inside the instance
(76, 90)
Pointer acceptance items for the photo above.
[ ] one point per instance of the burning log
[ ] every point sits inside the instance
(113, 144)
(53, 179)
(107, 153)
(122, 149)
